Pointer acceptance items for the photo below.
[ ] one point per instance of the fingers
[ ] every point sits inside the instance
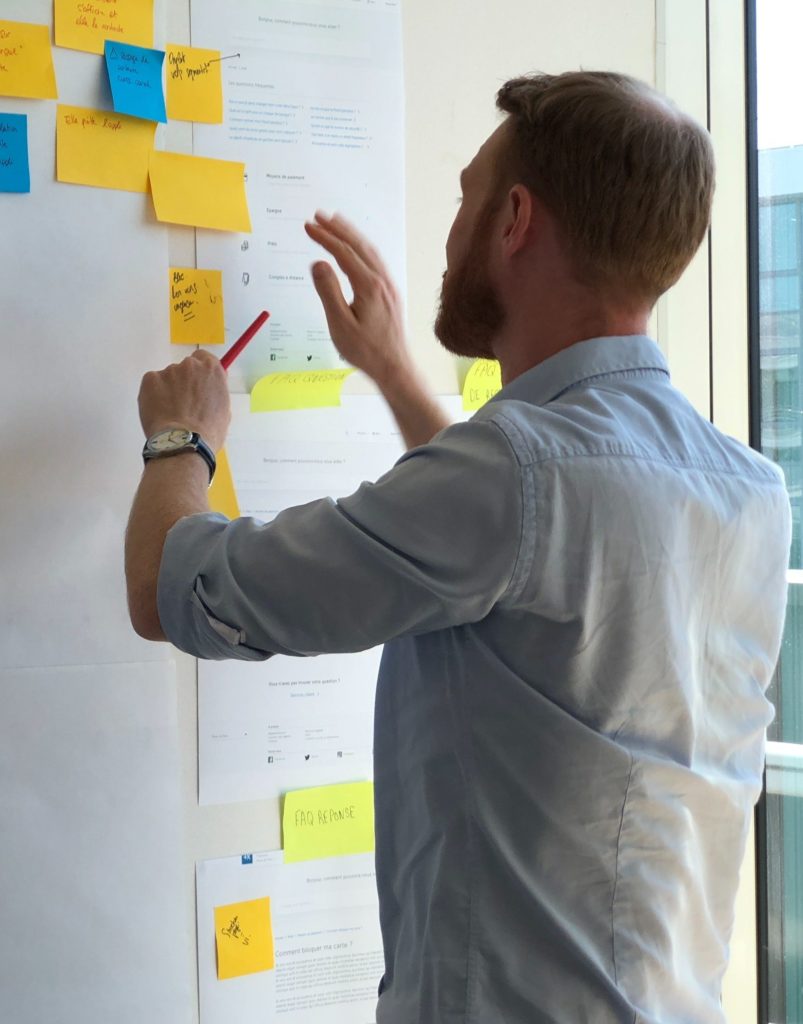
(344, 230)
(360, 276)
(328, 288)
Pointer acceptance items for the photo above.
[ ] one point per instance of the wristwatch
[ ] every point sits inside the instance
(175, 440)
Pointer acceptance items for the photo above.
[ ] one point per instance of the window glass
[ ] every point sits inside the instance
(777, 268)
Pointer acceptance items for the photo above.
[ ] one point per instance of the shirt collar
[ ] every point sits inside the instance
(582, 361)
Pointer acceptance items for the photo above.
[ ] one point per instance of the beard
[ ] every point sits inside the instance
(470, 313)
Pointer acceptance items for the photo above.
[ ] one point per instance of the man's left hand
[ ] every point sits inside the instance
(192, 394)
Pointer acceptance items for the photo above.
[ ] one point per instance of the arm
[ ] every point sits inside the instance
(369, 332)
(192, 394)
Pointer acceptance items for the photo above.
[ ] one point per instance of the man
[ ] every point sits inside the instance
(581, 591)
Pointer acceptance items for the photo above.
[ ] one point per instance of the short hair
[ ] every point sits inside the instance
(628, 176)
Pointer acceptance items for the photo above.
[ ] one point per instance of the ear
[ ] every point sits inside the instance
(519, 220)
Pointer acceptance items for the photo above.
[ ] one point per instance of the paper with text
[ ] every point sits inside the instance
(326, 938)
(26, 61)
(199, 191)
(196, 306)
(313, 389)
(135, 78)
(314, 105)
(328, 821)
(87, 26)
(96, 147)
(194, 84)
(244, 938)
(15, 175)
(288, 723)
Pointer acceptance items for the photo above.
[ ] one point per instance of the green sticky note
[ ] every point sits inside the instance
(328, 821)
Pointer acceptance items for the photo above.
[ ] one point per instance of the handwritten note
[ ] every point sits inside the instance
(222, 495)
(196, 306)
(14, 173)
(135, 77)
(307, 389)
(87, 24)
(482, 382)
(328, 821)
(26, 61)
(194, 87)
(244, 938)
(200, 192)
(95, 147)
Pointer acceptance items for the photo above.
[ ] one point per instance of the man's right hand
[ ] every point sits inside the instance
(369, 333)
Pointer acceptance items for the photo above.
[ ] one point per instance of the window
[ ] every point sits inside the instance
(775, 140)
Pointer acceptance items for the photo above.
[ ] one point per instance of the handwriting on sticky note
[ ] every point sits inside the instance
(135, 77)
(194, 85)
(328, 821)
(95, 147)
(307, 389)
(196, 306)
(244, 938)
(14, 172)
(26, 61)
(483, 381)
(198, 191)
(222, 494)
(82, 25)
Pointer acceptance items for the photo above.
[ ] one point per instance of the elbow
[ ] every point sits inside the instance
(144, 616)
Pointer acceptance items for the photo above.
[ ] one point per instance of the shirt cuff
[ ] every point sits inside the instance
(186, 621)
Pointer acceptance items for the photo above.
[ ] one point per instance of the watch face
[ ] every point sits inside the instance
(168, 440)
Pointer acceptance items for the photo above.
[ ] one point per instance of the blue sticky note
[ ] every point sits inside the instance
(135, 77)
(15, 175)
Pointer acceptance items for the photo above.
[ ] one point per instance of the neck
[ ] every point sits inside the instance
(544, 326)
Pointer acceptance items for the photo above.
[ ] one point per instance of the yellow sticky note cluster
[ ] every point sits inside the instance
(196, 306)
(194, 86)
(95, 147)
(483, 381)
(199, 191)
(244, 938)
(82, 25)
(328, 821)
(26, 61)
(307, 389)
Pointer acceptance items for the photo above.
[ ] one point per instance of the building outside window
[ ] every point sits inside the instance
(775, 133)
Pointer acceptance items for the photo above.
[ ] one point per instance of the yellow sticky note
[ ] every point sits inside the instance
(198, 191)
(26, 61)
(244, 938)
(96, 147)
(328, 821)
(86, 26)
(194, 86)
(482, 382)
(307, 389)
(222, 495)
(196, 306)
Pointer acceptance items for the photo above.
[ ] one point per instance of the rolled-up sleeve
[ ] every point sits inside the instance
(434, 543)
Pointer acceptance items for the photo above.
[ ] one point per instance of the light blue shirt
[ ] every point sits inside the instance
(581, 592)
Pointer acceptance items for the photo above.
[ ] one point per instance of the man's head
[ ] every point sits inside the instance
(625, 179)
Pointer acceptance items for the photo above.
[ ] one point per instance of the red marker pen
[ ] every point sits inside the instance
(228, 357)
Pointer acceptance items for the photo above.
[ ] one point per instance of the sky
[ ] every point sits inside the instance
(780, 73)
